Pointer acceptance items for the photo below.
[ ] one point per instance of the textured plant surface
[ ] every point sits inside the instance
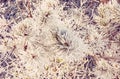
(59, 39)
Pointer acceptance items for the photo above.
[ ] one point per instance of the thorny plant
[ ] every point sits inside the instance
(87, 7)
(15, 11)
(72, 70)
(7, 63)
(114, 32)
(65, 41)
(91, 63)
